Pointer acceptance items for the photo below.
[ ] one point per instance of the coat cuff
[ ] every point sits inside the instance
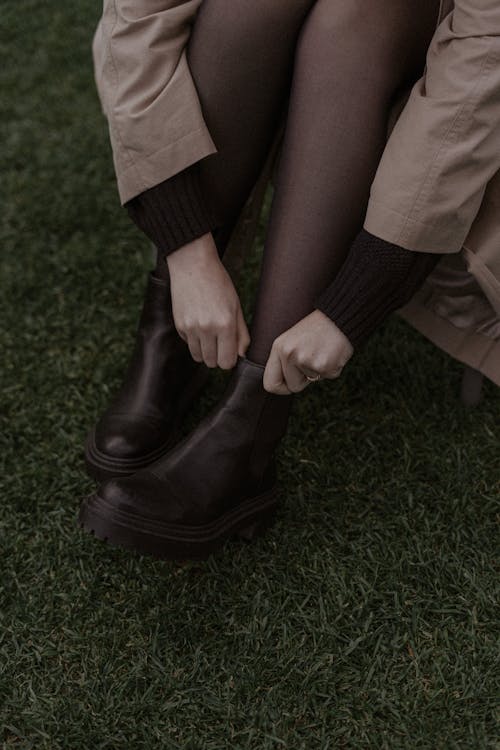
(174, 212)
(376, 278)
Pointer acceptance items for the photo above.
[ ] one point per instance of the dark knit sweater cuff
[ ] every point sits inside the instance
(174, 212)
(376, 278)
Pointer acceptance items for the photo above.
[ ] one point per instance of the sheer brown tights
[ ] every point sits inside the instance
(333, 68)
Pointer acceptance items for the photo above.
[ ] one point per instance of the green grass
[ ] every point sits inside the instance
(365, 618)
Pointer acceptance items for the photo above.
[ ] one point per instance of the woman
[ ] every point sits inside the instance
(219, 77)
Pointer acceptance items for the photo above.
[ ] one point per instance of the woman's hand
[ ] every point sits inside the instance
(312, 346)
(205, 305)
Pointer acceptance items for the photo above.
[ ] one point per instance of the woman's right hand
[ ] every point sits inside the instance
(205, 305)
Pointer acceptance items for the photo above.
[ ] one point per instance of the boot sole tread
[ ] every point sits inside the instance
(173, 542)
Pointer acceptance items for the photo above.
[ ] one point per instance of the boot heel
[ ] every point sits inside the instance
(257, 527)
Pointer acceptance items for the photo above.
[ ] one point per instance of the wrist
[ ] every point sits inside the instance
(199, 251)
(343, 341)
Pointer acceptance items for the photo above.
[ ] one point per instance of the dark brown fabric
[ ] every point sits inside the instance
(174, 212)
(376, 278)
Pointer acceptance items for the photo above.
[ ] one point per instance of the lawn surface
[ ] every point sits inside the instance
(365, 617)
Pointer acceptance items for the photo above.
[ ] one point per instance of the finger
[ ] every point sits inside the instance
(227, 348)
(273, 380)
(334, 374)
(183, 335)
(295, 379)
(242, 334)
(194, 345)
(208, 343)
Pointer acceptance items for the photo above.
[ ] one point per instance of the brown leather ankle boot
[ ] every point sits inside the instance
(161, 382)
(219, 481)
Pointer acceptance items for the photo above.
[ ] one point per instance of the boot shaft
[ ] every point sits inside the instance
(264, 414)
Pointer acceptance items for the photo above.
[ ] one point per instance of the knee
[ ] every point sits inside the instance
(287, 12)
(332, 19)
(365, 35)
(246, 27)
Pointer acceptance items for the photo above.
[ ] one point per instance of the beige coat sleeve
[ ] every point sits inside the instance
(445, 145)
(146, 91)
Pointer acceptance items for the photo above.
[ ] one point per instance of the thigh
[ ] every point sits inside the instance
(241, 54)
(383, 40)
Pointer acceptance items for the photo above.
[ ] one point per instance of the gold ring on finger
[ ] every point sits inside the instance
(313, 379)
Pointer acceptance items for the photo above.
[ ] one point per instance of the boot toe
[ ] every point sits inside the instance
(128, 438)
(143, 495)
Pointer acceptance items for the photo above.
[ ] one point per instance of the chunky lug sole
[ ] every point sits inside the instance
(101, 466)
(169, 542)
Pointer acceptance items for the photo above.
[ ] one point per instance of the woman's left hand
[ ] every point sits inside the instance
(313, 346)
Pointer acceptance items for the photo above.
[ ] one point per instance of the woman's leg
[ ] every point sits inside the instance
(220, 480)
(240, 54)
(351, 59)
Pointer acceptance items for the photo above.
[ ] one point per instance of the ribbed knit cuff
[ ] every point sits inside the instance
(376, 278)
(174, 212)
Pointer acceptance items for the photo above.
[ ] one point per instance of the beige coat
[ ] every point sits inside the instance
(437, 187)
